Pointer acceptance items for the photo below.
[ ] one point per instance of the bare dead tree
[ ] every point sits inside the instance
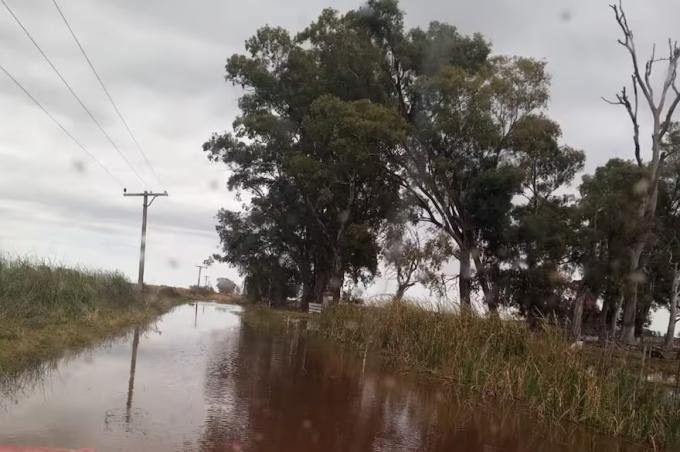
(662, 107)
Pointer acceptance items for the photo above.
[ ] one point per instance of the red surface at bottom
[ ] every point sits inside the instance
(39, 449)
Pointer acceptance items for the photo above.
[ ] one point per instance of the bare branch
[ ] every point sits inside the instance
(671, 80)
(611, 102)
(632, 109)
(648, 72)
(671, 74)
(629, 44)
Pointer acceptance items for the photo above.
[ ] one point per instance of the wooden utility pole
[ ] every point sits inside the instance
(142, 249)
(200, 269)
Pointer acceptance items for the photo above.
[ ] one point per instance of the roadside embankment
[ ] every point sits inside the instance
(46, 310)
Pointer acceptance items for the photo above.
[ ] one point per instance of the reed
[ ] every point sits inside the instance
(493, 359)
(47, 309)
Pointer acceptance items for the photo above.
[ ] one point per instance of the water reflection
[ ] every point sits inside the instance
(131, 381)
(214, 384)
(293, 394)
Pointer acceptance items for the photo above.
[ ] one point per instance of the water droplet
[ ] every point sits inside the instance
(79, 166)
(390, 382)
(351, 325)
(344, 215)
(335, 283)
(556, 277)
(638, 277)
(641, 187)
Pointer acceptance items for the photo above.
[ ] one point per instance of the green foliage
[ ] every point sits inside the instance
(409, 260)
(314, 136)
(462, 167)
(610, 201)
(665, 255)
(542, 232)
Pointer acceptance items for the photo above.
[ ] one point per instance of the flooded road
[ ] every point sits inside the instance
(200, 380)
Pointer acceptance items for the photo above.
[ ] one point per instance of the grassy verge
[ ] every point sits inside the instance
(46, 310)
(263, 318)
(493, 360)
(208, 295)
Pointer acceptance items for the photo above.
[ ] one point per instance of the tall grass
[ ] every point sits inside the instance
(34, 293)
(493, 359)
(46, 310)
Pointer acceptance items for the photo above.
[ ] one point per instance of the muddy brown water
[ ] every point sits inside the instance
(201, 380)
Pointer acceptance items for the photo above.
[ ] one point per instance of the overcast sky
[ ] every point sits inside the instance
(163, 62)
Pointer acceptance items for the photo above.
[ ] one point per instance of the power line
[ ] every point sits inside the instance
(106, 91)
(49, 115)
(73, 93)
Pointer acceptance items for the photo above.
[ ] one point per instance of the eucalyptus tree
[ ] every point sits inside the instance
(668, 232)
(355, 109)
(459, 165)
(539, 242)
(609, 199)
(313, 134)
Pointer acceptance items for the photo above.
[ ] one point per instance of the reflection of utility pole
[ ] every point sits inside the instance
(200, 269)
(131, 382)
(142, 248)
(196, 316)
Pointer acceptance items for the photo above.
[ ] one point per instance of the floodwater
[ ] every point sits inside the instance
(200, 380)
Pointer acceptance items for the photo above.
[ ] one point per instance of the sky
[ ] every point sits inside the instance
(163, 62)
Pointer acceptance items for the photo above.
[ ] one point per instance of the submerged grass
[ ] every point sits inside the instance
(492, 359)
(47, 309)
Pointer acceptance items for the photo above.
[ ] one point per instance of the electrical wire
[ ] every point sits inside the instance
(73, 93)
(60, 125)
(106, 91)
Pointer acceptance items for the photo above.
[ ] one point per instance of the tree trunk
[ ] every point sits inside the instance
(615, 316)
(630, 293)
(644, 306)
(321, 278)
(489, 288)
(602, 322)
(308, 286)
(673, 308)
(577, 316)
(337, 276)
(401, 290)
(465, 278)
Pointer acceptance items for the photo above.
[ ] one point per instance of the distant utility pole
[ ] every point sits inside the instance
(142, 248)
(206, 281)
(200, 269)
